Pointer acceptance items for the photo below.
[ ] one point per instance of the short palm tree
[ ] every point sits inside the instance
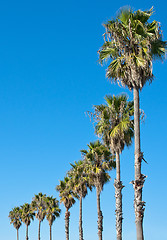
(132, 43)
(67, 198)
(15, 219)
(114, 123)
(27, 214)
(80, 183)
(99, 160)
(52, 211)
(39, 207)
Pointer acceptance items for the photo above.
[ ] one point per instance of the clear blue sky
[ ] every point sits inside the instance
(49, 78)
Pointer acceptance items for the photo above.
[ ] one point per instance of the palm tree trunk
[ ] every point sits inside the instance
(67, 219)
(17, 234)
(80, 220)
(139, 178)
(50, 231)
(118, 198)
(26, 232)
(39, 229)
(100, 216)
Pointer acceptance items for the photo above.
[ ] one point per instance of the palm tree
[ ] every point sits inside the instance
(52, 211)
(99, 161)
(115, 126)
(39, 207)
(15, 219)
(27, 214)
(67, 198)
(131, 43)
(80, 183)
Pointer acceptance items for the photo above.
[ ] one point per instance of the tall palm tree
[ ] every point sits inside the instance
(80, 183)
(15, 219)
(39, 207)
(52, 211)
(27, 214)
(99, 161)
(114, 123)
(131, 43)
(67, 198)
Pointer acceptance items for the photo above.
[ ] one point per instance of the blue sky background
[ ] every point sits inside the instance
(49, 78)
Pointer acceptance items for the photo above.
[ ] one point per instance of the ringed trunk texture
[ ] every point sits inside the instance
(100, 216)
(50, 231)
(67, 219)
(26, 232)
(39, 230)
(118, 198)
(80, 220)
(139, 178)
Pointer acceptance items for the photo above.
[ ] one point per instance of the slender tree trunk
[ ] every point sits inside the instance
(17, 234)
(139, 178)
(118, 198)
(39, 230)
(26, 232)
(50, 231)
(80, 220)
(67, 219)
(100, 216)
(118, 171)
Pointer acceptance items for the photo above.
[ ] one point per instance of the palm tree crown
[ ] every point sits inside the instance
(15, 217)
(38, 204)
(65, 192)
(52, 209)
(114, 122)
(99, 160)
(80, 181)
(131, 42)
(27, 213)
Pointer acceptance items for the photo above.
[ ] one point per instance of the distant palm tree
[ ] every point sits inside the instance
(27, 214)
(52, 211)
(99, 161)
(131, 43)
(39, 207)
(80, 182)
(15, 219)
(67, 198)
(114, 123)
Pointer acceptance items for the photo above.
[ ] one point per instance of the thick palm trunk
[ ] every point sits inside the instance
(67, 219)
(17, 234)
(39, 230)
(80, 220)
(100, 216)
(118, 198)
(139, 178)
(26, 232)
(50, 231)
